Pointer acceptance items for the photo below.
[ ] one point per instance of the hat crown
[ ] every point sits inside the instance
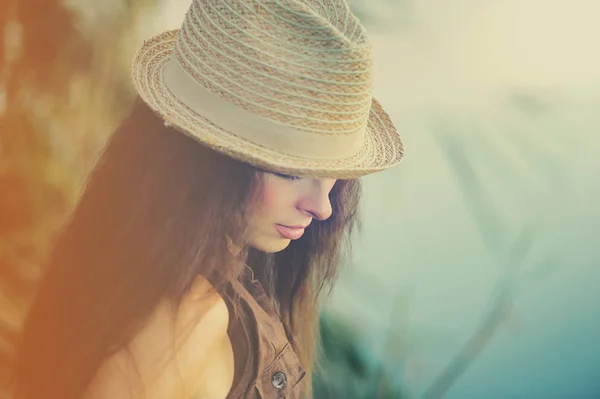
(302, 64)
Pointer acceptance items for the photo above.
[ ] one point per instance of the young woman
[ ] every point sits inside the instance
(216, 214)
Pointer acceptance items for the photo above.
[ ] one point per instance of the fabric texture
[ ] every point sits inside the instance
(266, 365)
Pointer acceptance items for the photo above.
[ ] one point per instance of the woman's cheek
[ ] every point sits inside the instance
(270, 196)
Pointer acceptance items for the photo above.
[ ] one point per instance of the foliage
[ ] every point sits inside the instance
(509, 253)
(349, 369)
(60, 95)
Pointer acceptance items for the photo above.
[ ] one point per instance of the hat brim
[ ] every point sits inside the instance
(382, 147)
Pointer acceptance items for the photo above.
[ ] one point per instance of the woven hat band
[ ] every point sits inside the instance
(254, 128)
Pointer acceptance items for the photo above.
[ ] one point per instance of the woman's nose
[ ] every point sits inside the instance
(317, 202)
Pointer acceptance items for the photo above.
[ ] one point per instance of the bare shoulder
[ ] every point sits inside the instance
(173, 350)
(203, 305)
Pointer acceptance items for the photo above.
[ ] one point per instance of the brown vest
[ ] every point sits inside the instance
(266, 365)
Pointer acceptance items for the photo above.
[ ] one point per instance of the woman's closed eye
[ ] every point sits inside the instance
(286, 177)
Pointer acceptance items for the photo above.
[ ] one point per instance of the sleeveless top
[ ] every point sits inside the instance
(266, 364)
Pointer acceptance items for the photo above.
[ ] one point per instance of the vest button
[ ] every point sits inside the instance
(279, 380)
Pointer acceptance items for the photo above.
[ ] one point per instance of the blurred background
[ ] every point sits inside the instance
(476, 275)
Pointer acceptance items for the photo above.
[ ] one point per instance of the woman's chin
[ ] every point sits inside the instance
(271, 245)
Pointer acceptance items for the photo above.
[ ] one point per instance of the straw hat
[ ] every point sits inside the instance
(285, 85)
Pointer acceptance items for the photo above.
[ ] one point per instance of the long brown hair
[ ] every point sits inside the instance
(158, 210)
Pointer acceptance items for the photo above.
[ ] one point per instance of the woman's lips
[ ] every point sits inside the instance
(293, 233)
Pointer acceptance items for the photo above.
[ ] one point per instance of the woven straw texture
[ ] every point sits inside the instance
(304, 65)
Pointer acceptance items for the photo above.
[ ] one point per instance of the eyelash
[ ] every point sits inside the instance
(286, 177)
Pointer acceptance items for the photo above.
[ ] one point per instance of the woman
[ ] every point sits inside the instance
(217, 213)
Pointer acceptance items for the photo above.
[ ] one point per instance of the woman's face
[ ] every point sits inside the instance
(288, 205)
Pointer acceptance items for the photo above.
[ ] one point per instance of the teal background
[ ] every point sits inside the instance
(494, 207)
